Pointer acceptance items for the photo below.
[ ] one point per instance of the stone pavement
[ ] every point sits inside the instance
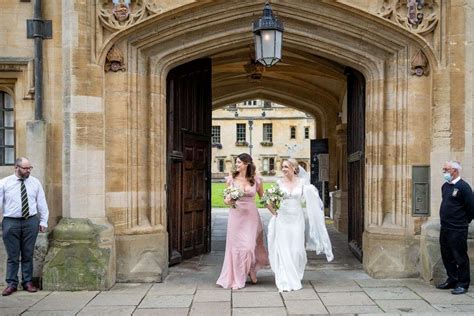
(340, 287)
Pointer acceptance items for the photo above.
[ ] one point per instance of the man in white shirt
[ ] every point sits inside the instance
(25, 212)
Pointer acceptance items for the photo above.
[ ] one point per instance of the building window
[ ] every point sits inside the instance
(271, 164)
(267, 133)
(268, 166)
(7, 130)
(306, 132)
(293, 132)
(220, 165)
(241, 132)
(216, 134)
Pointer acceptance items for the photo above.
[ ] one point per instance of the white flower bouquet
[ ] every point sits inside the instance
(273, 196)
(234, 193)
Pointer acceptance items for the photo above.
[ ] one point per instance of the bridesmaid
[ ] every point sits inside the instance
(245, 253)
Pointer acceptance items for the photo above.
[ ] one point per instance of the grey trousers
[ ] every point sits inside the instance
(19, 237)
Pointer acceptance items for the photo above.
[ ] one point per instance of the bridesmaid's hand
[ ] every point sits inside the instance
(229, 201)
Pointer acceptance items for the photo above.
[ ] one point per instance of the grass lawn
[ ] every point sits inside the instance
(217, 199)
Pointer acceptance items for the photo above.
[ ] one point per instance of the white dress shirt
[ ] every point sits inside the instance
(10, 195)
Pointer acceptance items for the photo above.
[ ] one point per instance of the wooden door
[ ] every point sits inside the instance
(355, 158)
(188, 159)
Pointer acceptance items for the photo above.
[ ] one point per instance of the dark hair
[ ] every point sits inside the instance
(247, 159)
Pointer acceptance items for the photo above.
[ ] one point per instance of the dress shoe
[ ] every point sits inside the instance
(8, 290)
(459, 290)
(30, 287)
(446, 285)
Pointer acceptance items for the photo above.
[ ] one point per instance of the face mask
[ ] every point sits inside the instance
(447, 176)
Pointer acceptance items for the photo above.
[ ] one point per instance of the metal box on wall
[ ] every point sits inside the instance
(421, 191)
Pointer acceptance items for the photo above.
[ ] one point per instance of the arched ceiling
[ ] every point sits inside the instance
(305, 78)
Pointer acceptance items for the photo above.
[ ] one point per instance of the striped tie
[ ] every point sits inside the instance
(25, 209)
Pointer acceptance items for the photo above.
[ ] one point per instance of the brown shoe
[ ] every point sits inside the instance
(30, 287)
(8, 290)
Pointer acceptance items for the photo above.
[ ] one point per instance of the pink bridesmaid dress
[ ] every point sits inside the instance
(244, 252)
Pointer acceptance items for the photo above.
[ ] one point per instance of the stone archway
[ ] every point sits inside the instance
(324, 35)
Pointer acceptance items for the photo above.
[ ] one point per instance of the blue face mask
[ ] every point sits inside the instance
(447, 176)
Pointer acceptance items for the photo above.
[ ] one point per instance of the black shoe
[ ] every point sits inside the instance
(446, 285)
(459, 290)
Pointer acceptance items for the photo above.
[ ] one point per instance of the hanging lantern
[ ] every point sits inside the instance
(268, 38)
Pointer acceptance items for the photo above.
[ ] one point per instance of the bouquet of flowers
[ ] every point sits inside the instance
(273, 195)
(234, 193)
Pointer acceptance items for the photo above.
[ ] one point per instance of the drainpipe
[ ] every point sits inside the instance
(39, 29)
(38, 65)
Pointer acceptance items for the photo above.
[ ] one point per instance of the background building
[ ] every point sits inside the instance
(269, 131)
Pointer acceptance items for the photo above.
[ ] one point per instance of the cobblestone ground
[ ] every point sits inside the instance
(340, 287)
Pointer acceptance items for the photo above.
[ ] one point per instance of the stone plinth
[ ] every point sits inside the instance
(81, 256)
(143, 258)
(391, 256)
(432, 268)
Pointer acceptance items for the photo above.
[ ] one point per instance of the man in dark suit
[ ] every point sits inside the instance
(455, 215)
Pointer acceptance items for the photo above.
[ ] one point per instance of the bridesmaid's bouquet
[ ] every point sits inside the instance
(273, 195)
(234, 193)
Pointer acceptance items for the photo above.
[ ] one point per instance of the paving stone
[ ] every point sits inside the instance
(64, 301)
(354, 309)
(346, 298)
(303, 294)
(165, 301)
(49, 313)
(21, 299)
(212, 295)
(210, 309)
(391, 293)
(454, 308)
(445, 297)
(259, 311)
(112, 298)
(336, 286)
(161, 312)
(380, 282)
(263, 299)
(12, 311)
(107, 310)
(172, 289)
(299, 307)
(131, 288)
(405, 306)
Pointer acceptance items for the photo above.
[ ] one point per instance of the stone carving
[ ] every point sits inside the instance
(254, 70)
(417, 16)
(117, 15)
(419, 64)
(114, 60)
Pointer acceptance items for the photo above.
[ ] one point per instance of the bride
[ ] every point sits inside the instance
(286, 230)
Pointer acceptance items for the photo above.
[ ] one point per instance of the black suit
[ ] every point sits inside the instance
(455, 214)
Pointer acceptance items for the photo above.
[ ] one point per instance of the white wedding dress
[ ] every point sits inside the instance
(286, 235)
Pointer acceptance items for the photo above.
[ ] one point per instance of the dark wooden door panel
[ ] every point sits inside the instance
(356, 158)
(188, 149)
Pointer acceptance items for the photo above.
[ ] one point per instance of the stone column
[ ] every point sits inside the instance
(82, 252)
(452, 130)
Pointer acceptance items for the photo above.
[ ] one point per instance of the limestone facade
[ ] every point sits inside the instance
(105, 69)
(269, 128)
